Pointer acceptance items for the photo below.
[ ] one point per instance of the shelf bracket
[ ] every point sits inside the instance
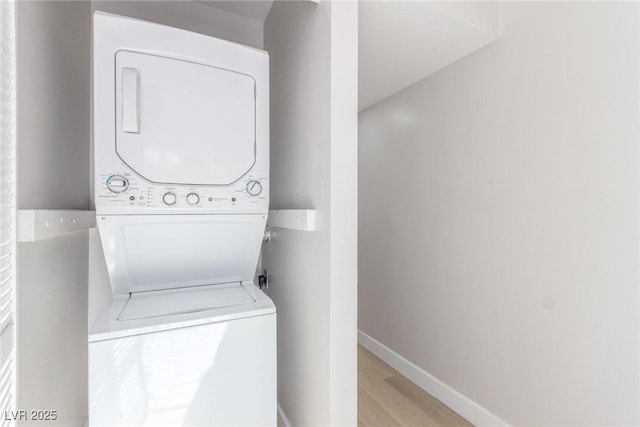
(293, 219)
(39, 224)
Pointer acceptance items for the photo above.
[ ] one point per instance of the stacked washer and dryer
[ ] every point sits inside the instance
(181, 169)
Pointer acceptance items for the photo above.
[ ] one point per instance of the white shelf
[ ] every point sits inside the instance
(293, 219)
(39, 224)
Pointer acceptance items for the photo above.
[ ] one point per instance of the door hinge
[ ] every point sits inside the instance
(263, 280)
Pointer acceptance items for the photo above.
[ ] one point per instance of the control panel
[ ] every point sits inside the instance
(170, 150)
(120, 188)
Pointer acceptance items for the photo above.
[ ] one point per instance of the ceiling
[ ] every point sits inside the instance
(402, 42)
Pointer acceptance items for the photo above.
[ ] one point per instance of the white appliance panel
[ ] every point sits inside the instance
(143, 305)
(147, 253)
(142, 197)
(110, 325)
(216, 374)
(181, 121)
(195, 122)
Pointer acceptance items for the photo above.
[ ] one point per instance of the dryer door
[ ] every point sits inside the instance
(183, 122)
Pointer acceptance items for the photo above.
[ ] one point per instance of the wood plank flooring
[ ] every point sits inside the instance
(386, 398)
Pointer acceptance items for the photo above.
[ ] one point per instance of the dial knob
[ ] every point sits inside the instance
(254, 187)
(193, 198)
(169, 198)
(117, 184)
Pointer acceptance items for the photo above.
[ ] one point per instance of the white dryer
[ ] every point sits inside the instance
(181, 168)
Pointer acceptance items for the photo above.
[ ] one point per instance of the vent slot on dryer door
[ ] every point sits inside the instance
(183, 122)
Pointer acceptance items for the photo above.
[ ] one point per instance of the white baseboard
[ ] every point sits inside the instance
(467, 408)
(283, 421)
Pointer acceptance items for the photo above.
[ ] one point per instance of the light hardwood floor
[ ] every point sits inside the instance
(386, 398)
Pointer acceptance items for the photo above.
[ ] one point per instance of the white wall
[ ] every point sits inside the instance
(52, 334)
(53, 95)
(343, 297)
(499, 218)
(53, 45)
(313, 166)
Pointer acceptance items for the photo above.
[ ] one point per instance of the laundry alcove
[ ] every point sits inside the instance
(63, 281)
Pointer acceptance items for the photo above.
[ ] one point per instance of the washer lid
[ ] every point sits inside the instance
(179, 121)
(108, 325)
(143, 305)
(156, 252)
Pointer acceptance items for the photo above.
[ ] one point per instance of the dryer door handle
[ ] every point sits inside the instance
(130, 100)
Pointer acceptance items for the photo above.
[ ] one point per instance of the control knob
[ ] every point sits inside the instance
(117, 184)
(254, 187)
(193, 198)
(169, 198)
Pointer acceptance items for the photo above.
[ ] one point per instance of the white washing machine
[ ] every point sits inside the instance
(181, 168)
